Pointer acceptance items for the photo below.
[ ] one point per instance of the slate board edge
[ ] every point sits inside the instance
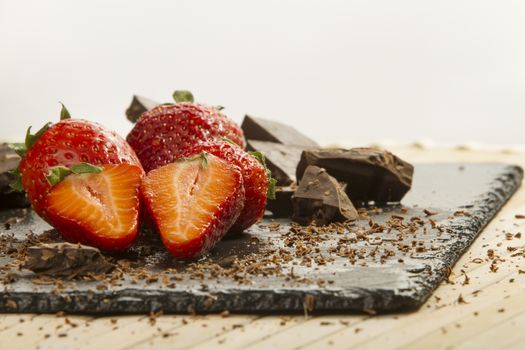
(267, 301)
(471, 226)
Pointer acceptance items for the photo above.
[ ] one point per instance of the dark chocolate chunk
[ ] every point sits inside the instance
(281, 206)
(138, 106)
(272, 131)
(281, 159)
(371, 174)
(66, 260)
(9, 161)
(320, 199)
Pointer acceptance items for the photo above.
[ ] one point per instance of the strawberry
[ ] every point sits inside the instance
(99, 208)
(258, 183)
(193, 202)
(69, 146)
(164, 133)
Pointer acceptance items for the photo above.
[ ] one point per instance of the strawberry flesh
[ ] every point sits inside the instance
(193, 204)
(100, 210)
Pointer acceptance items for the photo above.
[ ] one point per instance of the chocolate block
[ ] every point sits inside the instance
(281, 206)
(66, 260)
(9, 161)
(320, 199)
(272, 131)
(371, 174)
(281, 159)
(138, 106)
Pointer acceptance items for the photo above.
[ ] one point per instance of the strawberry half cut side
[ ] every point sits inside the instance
(193, 202)
(98, 209)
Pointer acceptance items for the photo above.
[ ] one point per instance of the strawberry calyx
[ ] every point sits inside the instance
(30, 139)
(58, 173)
(228, 140)
(64, 113)
(181, 96)
(270, 193)
(203, 156)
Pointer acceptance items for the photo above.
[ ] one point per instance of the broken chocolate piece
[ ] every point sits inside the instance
(9, 161)
(371, 174)
(138, 106)
(281, 159)
(272, 131)
(66, 260)
(320, 199)
(281, 206)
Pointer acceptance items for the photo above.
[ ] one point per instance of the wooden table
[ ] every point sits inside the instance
(477, 308)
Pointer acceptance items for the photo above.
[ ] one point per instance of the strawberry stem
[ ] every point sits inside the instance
(182, 96)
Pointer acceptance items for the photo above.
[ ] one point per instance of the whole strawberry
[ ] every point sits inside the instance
(258, 184)
(164, 133)
(67, 173)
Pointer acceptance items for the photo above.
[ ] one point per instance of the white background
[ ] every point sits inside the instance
(343, 71)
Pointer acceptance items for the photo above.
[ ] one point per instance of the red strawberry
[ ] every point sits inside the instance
(165, 132)
(258, 183)
(98, 209)
(193, 203)
(63, 148)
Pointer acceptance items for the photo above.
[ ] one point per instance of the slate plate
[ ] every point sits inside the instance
(393, 285)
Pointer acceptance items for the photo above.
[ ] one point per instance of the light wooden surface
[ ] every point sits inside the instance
(491, 314)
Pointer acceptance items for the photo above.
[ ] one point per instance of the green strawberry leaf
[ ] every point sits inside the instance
(84, 168)
(182, 96)
(227, 140)
(31, 139)
(270, 193)
(203, 157)
(64, 113)
(58, 173)
(219, 107)
(16, 185)
(19, 148)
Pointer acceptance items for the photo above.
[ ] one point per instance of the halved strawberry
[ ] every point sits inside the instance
(100, 209)
(193, 202)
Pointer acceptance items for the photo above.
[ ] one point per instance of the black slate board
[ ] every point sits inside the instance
(478, 189)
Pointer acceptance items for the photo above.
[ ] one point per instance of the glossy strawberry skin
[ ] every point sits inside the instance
(254, 178)
(164, 133)
(66, 143)
(220, 220)
(77, 229)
